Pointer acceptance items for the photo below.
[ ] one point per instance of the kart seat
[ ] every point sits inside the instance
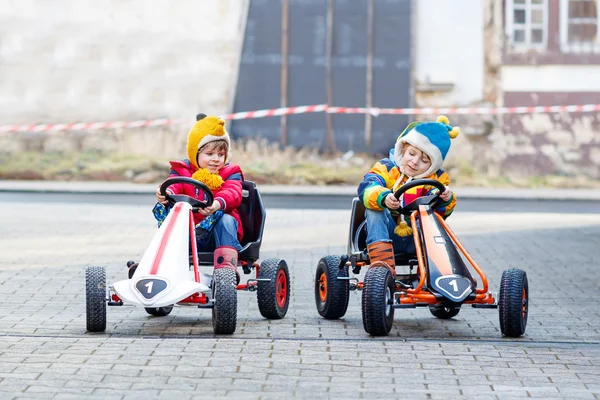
(252, 214)
(357, 241)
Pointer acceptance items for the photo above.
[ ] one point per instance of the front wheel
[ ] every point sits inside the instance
(273, 296)
(224, 312)
(331, 294)
(513, 302)
(95, 299)
(378, 300)
(159, 311)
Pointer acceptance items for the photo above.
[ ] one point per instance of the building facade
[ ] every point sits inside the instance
(514, 53)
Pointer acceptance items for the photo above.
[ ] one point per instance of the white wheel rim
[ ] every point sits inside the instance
(388, 305)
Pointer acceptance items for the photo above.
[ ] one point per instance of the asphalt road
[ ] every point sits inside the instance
(317, 202)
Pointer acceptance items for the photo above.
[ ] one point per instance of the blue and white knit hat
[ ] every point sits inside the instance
(432, 138)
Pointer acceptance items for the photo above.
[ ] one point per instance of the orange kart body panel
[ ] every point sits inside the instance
(437, 251)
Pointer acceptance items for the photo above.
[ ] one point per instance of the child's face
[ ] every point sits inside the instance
(212, 159)
(414, 161)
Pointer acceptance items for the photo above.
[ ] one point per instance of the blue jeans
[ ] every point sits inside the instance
(380, 228)
(223, 233)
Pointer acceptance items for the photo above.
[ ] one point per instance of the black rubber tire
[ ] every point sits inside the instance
(95, 299)
(224, 312)
(159, 311)
(377, 299)
(273, 297)
(513, 302)
(331, 294)
(444, 312)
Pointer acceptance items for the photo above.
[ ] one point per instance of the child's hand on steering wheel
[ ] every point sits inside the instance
(446, 195)
(162, 199)
(216, 205)
(391, 202)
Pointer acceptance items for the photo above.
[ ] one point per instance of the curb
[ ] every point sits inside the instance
(121, 188)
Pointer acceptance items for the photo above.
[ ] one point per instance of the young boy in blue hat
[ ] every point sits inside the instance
(419, 153)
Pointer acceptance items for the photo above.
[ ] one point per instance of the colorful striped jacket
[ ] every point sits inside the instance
(380, 180)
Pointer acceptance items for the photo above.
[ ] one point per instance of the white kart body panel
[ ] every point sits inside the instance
(163, 276)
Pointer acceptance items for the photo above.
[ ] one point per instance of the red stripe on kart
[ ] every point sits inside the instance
(163, 241)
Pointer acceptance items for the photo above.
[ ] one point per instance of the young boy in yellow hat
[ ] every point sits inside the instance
(208, 146)
(419, 153)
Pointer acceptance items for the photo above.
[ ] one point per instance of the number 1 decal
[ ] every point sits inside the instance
(452, 283)
(150, 287)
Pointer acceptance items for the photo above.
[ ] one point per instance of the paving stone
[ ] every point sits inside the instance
(45, 351)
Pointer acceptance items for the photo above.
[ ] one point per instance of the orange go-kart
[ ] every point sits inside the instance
(442, 281)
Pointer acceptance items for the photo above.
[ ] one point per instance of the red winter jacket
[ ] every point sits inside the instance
(229, 194)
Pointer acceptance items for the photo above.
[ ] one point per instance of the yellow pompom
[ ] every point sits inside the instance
(443, 119)
(403, 229)
(454, 132)
(213, 181)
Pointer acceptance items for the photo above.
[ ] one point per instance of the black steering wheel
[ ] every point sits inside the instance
(195, 203)
(430, 200)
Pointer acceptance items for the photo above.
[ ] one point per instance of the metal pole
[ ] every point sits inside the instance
(369, 86)
(328, 83)
(284, 67)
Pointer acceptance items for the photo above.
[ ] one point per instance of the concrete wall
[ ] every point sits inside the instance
(448, 52)
(107, 60)
(451, 57)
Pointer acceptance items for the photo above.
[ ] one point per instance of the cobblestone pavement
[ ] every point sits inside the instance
(45, 351)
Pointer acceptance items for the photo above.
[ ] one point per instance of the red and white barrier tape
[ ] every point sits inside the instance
(464, 110)
(276, 112)
(84, 126)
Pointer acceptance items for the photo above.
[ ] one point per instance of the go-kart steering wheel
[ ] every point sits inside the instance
(195, 203)
(429, 200)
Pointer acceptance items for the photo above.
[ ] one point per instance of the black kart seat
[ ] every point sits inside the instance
(357, 240)
(252, 214)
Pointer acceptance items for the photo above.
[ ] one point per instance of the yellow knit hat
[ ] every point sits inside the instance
(206, 129)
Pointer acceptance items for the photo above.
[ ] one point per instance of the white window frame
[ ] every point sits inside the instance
(510, 25)
(576, 47)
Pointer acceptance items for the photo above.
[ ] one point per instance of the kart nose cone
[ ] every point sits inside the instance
(454, 287)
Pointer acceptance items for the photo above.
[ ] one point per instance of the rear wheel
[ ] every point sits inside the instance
(95, 299)
(444, 312)
(224, 312)
(273, 296)
(378, 300)
(513, 302)
(331, 294)
(159, 311)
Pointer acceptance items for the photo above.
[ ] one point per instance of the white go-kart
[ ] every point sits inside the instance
(168, 273)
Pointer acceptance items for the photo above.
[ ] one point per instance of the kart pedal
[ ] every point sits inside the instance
(403, 285)
(343, 260)
(352, 282)
(252, 285)
(131, 266)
